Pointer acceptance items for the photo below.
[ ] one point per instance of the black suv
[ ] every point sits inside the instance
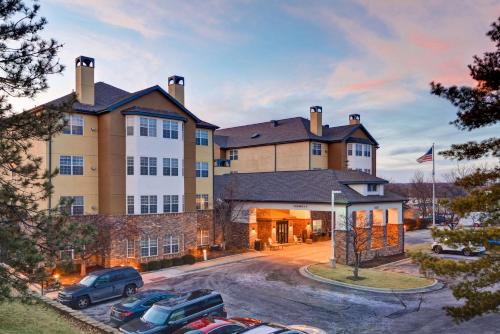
(169, 315)
(101, 285)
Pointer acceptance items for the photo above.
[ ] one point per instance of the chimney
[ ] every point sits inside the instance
(84, 68)
(354, 119)
(316, 120)
(176, 87)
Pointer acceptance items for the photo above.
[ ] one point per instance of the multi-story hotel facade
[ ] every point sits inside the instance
(138, 157)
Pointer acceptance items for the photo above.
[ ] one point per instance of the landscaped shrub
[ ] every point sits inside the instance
(154, 265)
(178, 261)
(67, 268)
(165, 263)
(144, 266)
(188, 259)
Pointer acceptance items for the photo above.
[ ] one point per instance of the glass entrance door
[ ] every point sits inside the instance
(282, 231)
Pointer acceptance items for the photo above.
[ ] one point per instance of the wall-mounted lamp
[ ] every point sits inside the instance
(93, 129)
(93, 168)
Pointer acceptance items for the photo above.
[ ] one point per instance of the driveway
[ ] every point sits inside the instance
(271, 289)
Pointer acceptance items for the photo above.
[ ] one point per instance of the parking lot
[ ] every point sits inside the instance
(271, 289)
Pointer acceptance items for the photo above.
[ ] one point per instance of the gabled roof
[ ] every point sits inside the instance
(108, 98)
(310, 186)
(285, 131)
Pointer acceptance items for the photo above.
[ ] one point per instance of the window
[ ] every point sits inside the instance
(170, 167)
(349, 149)
(317, 226)
(130, 205)
(359, 150)
(130, 248)
(170, 203)
(130, 165)
(316, 149)
(130, 126)
(148, 166)
(67, 254)
(201, 137)
(149, 204)
(149, 246)
(171, 244)
(70, 165)
(170, 129)
(73, 205)
(203, 238)
(233, 154)
(201, 169)
(201, 201)
(74, 125)
(372, 187)
(147, 127)
(368, 150)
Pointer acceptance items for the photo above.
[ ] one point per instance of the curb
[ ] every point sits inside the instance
(78, 316)
(436, 285)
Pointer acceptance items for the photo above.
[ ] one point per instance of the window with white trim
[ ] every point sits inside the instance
(367, 150)
(67, 254)
(359, 150)
(148, 166)
(73, 205)
(203, 237)
(171, 245)
(233, 154)
(349, 149)
(317, 225)
(130, 126)
(170, 203)
(74, 125)
(316, 149)
(201, 169)
(130, 248)
(130, 205)
(149, 204)
(149, 246)
(201, 137)
(201, 201)
(130, 165)
(147, 127)
(170, 129)
(70, 165)
(170, 167)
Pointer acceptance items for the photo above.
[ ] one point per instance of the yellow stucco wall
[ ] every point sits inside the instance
(319, 161)
(253, 159)
(293, 156)
(206, 154)
(79, 185)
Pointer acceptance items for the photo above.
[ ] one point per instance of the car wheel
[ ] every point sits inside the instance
(438, 249)
(466, 252)
(83, 302)
(129, 290)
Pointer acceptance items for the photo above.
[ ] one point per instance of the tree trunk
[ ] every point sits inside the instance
(83, 268)
(356, 265)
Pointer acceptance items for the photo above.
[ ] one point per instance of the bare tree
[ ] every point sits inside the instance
(228, 209)
(421, 192)
(360, 236)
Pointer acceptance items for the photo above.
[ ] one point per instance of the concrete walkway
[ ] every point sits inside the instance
(162, 274)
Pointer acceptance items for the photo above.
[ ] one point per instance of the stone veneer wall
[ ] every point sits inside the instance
(132, 227)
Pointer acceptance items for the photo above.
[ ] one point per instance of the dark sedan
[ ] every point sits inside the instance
(136, 305)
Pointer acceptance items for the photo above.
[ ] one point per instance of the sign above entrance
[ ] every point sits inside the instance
(303, 206)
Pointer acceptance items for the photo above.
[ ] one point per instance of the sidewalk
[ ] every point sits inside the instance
(163, 274)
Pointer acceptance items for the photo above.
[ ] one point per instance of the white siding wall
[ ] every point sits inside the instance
(359, 162)
(158, 147)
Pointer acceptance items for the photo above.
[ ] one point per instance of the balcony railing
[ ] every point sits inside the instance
(222, 163)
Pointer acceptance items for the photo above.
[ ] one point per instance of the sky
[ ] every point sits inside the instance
(253, 61)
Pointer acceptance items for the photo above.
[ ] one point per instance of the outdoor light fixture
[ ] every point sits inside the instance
(332, 259)
(56, 276)
(204, 255)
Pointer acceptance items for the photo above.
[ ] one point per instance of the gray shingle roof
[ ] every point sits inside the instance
(311, 186)
(107, 96)
(283, 131)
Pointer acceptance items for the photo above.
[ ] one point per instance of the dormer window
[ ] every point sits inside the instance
(372, 188)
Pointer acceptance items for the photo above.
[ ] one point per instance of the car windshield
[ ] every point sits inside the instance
(132, 301)
(156, 315)
(88, 280)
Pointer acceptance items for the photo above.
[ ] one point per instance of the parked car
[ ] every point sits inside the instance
(168, 315)
(472, 219)
(101, 285)
(135, 306)
(217, 325)
(439, 248)
(269, 328)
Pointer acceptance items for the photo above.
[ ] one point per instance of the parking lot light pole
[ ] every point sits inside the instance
(332, 259)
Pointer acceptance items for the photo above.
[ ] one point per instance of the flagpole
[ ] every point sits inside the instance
(433, 189)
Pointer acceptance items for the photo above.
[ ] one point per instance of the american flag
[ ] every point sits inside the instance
(426, 157)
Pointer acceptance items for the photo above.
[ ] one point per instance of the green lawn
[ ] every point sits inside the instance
(18, 318)
(370, 277)
(415, 248)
